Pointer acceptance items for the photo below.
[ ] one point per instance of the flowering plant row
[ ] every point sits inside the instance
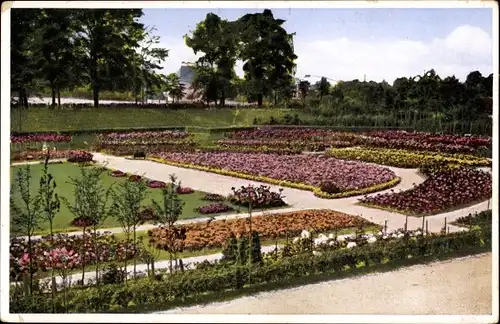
(386, 139)
(215, 234)
(285, 143)
(39, 155)
(292, 134)
(141, 136)
(49, 138)
(130, 149)
(406, 159)
(216, 208)
(109, 249)
(439, 192)
(251, 149)
(299, 171)
(470, 141)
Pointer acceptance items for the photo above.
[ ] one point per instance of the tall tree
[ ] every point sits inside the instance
(267, 53)
(323, 87)
(218, 40)
(107, 39)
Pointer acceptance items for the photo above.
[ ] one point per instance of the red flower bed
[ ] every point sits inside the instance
(80, 156)
(214, 197)
(426, 141)
(214, 209)
(308, 169)
(184, 190)
(156, 184)
(49, 138)
(291, 134)
(441, 191)
(118, 174)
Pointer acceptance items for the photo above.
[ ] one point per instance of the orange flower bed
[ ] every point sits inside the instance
(214, 234)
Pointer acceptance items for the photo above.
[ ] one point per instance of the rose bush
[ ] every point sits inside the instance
(439, 192)
(259, 197)
(215, 234)
(299, 169)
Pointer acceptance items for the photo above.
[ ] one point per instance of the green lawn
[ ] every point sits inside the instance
(62, 172)
(43, 119)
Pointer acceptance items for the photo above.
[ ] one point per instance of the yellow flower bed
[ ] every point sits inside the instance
(316, 190)
(406, 159)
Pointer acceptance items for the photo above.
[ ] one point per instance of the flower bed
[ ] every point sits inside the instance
(80, 156)
(158, 137)
(184, 190)
(109, 250)
(405, 159)
(38, 155)
(201, 235)
(257, 197)
(156, 184)
(425, 141)
(440, 192)
(213, 209)
(249, 149)
(305, 172)
(296, 133)
(118, 173)
(291, 144)
(39, 138)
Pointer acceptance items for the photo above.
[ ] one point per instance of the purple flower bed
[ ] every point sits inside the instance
(308, 169)
(441, 191)
(118, 174)
(213, 208)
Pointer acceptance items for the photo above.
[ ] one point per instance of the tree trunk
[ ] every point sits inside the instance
(83, 256)
(259, 100)
(53, 88)
(95, 93)
(58, 97)
(25, 98)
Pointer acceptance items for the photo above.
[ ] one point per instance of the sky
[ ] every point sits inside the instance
(347, 44)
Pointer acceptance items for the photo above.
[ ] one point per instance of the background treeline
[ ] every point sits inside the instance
(96, 53)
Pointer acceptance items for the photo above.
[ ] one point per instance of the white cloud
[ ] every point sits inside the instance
(465, 49)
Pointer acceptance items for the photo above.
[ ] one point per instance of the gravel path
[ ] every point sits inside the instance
(460, 286)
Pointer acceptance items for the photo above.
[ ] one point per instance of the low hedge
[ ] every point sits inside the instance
(195, 284)
(301, 186)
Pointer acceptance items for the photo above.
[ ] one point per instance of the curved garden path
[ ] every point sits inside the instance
(297, 199)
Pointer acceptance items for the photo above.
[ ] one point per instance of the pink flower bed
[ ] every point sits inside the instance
(289, 133)
(50, 138)
(307, 169)
(80, 156)
(214, 208)
(141, 137)
(441, 191)
(118, 174)
(156, 184)
(184, 190)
